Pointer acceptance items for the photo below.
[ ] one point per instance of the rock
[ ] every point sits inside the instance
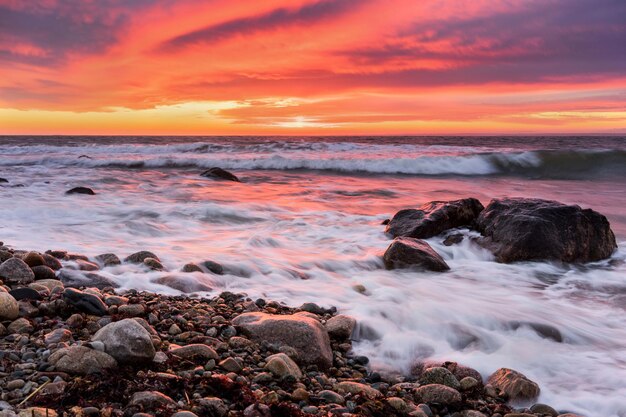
(350, 387)
(57, 336)
(195, 351)
(37, 412)
(81, 190)
(524, 229)
(3, 180)
(131, 310)
(149, 400)
(306, 335)
(214, 267)
(191, 267)
(127, 341)
(472, 413)
(58, 254)
(139, 257)
(468, 384)
(514, 385)
(213, 406)
(340, 327)
(453, 239)
(16, 271)
(84, 265)
(4, 255)
(153, 264)
(219, 173)
(230, 365)
(439, 375)
(407, 252)
(546, 331)
(115, 300)
(9, 309)
(19, 326)
(51, 284)
(182, 284)
(43, 272)
(25, 293)
(437, 393)
(434, 218)
(544, 410)
(331, 397)
(51, 262)
(81, 360)
(398, 404)
(184, 414)
(83, 301)
(108, 259)
(33, 259)
(282, 365)
(78, 279)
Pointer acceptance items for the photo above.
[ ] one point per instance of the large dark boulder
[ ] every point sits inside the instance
(525, 229)
(220, 174)
(434, 218)
(406, 252)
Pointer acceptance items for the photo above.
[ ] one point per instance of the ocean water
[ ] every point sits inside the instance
(304, 226)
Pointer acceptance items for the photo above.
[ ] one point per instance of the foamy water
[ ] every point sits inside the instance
(305, 226)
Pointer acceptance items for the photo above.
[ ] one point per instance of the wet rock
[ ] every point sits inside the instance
(33, 259)
(212, 406)
(453, 239)
(85, 302)
(219, 173)
(84, 265)
(191, 267)
(77, 279)
(544, 410)
(81, 190)
(3, 180)
(153, 264)
(57, 336)
(9, 309)
(25, 293)
(108, 259)
(4, 255)
(434, 218)
(149, 400)
(51, 284)
(306, 335)
(43, 272)
(514, 385)
(214, 267)
(439, 375)
(524, 229)
(182, 284)
(195, 351)
(16, 271)
(340, 327)
(282, 365)
(81, 360)
(437, 393)
(231, 365)
(51, 262)
(331, 397)
(131, 310)
(544, 330)
(405, 252)
(127, 341)
(468, 384)
(139, 257)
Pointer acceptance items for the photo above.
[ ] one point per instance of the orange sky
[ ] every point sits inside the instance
(312, 67)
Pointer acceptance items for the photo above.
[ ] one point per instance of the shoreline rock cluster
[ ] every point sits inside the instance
(90, 351)
(513, 229)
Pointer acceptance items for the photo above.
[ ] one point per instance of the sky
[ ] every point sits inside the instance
(327, 67)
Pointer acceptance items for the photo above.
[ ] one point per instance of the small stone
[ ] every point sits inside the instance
(51, 284)
(184, 414)
(349, 387)
(75, 320)
(20, 326)
(81, 360)
(174, 330)
(16, 271)
(331, 397)
(57, 336)
(398, 404)
(230, 365)
(544, 410)
(15, 384)
(340, 326)
(149, 400)
(115, 300)
(213, 406)
(131, 310)
(282, 365)
(25, 293)
(437, 393)
(195, 351)
(300, 394)
(310, 409)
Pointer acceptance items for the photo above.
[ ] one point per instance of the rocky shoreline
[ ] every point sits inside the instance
(88, 351)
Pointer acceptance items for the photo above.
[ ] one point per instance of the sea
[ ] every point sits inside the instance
(304, 225)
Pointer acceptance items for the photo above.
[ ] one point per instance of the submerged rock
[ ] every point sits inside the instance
(306, 335)
(81, 190)
(434, 218)
(108, 259)
(514, 385)
(525, 229)
(185, 284)
(406, 252)
(77, 279)
(219, 173)
(139, 257)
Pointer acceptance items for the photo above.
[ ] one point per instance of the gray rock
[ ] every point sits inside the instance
(81, 360)
(57, 336)
(437, 393)
(350, 387)
(108, 259)
(195, 351)
(439, 375)
(282, 365)
(185, 284)
(78, 279)
(306, 335)
(127, 341)
(9, 309)
(213, 406)
(16, 271)
(406, 252)
(340, 326)
(149, 400)
(331, 397)
(230, 365)
(21, 325)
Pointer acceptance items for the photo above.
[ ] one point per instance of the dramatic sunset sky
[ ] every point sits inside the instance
(312, 66)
